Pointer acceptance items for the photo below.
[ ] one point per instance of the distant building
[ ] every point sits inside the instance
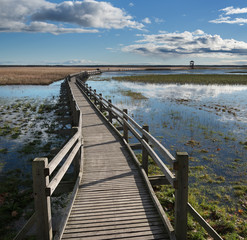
(192, 64)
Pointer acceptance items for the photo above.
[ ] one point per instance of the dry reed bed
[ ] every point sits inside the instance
(35, 75)
(45, 75)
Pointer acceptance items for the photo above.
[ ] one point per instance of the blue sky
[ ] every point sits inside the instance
(91, 32)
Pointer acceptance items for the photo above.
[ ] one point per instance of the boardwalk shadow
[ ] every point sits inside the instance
(100, 144)
(106, 180)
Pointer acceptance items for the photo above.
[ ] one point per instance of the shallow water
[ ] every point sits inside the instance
(30, 91)
(207, 121)
(16, 103)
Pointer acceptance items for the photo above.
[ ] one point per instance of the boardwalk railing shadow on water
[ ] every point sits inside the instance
(151, 147)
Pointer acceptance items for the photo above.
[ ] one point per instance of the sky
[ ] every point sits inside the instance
(93, 32)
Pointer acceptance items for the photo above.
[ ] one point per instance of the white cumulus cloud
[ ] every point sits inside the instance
(231, 10)
(146, 20)
(158, 20)
(44, 16)
(194, 44)
(226, 16)
(87, 13)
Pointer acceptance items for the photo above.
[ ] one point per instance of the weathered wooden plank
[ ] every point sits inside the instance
(108, 213)
(129, 197)
(110, 221)
(112, 202)
(123, 222)
(117, 217)
(111, 227)
(58, 177)
(158, 180)
(29, 224)
(118, 234)
(78, 209)
(113, 230)
(203, 223)
(84, 223)
(57, 159)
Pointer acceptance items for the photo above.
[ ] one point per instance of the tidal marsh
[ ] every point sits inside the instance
(208, 122)
(30, 128)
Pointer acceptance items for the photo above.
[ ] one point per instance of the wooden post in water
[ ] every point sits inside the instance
(181, 195)
(41, 201)
(144, 151)
(125, 127)
(110, 111)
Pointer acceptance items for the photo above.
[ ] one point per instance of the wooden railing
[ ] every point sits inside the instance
(176, 175)
(47, 176)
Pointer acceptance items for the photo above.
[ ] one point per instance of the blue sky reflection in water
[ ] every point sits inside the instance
(30, 91)
(209, 122)
(33, 125)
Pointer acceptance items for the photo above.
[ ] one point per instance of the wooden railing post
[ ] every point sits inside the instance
(181, 195)
(74, 113)
(144, 151)
(125, 127)
(41, 201)
(95, 97)
(90, 94)
(100, 103)
(77, 117)
(77, 161)
(110, 111)
(86, 89)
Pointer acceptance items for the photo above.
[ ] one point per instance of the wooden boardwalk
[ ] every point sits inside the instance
(112, 197)
(113, 201)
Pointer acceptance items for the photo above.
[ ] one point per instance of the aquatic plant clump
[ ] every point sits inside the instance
(133, 95)
(205, 79)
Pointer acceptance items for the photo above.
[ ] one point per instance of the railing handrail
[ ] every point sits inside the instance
(61, 154)
(42, 172)
(137, 131)
(164, 152)
(70, 145)
(63, 169)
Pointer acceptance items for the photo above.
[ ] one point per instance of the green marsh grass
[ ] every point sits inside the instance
(228, 222)
(205, 79)
(133, 95)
